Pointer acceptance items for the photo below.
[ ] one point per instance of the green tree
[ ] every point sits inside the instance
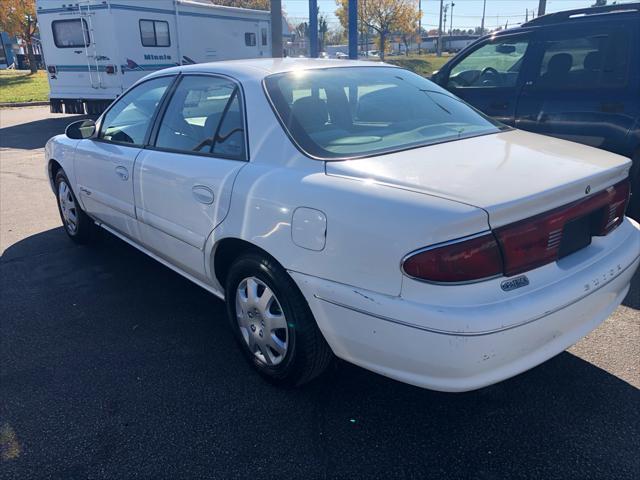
(382, 16)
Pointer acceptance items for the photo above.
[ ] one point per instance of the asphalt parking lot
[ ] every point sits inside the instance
(113, 366)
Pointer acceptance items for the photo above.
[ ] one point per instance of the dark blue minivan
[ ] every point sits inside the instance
(573, 75)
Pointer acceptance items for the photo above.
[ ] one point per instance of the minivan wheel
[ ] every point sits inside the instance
(77, 224)
(272, 322)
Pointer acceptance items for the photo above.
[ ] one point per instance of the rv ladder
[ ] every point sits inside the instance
(91, 41)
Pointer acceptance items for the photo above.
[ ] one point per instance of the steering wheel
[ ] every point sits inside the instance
(493, 73)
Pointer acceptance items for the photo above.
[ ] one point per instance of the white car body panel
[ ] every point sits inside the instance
(374, 211)
(508, 161)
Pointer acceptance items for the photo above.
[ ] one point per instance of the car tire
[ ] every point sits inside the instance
(295, 350)
(79, 227)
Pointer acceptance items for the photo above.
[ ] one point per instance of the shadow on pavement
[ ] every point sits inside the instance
(112, 365)
(34, 135)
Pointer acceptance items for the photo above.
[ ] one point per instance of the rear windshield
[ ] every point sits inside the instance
(348, 112)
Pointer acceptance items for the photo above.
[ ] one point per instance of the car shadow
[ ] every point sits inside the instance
(34, 135)
(113, 357)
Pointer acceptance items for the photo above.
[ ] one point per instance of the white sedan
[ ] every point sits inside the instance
(356, 209)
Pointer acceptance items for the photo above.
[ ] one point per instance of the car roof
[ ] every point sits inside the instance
(258, 68)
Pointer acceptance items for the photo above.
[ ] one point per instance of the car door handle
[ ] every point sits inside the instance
(202, 194)
(123, 173)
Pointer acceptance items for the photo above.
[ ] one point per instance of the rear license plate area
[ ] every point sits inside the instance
(576, 235)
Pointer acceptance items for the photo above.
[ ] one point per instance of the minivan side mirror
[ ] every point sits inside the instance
(81, 129)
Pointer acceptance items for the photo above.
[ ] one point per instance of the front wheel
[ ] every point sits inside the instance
(77, 224)
(272, 322)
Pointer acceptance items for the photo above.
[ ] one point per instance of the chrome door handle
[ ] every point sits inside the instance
(202, 194)
(123, 173)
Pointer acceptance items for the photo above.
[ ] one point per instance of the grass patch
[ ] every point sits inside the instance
(22, 86)
(423, 65)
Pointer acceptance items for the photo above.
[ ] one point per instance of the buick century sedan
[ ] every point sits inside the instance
(356, 209)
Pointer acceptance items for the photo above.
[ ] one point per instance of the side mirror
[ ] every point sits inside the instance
(81, 129)
(437, 77)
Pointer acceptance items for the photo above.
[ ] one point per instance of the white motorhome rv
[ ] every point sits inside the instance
(95, 49)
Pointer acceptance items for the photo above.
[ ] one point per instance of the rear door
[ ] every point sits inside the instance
(104, 165)
(579, 85)
(490, 76)
(183, 180)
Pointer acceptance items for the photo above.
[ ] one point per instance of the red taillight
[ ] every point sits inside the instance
(51, 69)
(536, 241)
(463, 261)
(523, 245)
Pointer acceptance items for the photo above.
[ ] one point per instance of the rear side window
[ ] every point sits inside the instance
(129, 119)
(154, 33)
(589, 60)
(72, 33)
(204, 116)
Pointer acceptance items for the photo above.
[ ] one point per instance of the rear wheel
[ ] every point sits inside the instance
(272, 322)
(77, 224)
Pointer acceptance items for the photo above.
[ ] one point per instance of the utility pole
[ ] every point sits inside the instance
(542, 7)
(484, 10)
(313, 28)
(353, 29)
(276, 28)
(451, 26)
(420, 27)
(440, 29)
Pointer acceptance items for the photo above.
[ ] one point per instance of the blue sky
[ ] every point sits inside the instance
(466, 13)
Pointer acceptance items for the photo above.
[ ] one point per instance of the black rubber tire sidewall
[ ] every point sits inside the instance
(83, 233)
(305, 340)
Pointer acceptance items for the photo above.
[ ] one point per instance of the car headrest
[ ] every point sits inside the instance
(311, 112)
(560, 64)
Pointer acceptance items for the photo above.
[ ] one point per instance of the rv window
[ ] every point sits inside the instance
(264, 36)
(72, 33)
(250, 39)
(204, 116)
(154, 33)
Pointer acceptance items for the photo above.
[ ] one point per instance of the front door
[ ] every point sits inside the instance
(489, 77)
(104, 165)
(183, 181)
(580, 85)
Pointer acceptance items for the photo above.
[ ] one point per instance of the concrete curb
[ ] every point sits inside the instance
(23, 104)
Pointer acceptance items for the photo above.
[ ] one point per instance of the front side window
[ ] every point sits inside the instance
(154, 33)
(358, 111)
(588, 60)
(204, 116)
(496, 64)
(129, 119)
(72, 33)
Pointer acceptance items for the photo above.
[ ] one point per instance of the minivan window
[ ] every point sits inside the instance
(70, 33)
(496, 64)
(204, 116)
(351, 112)
(589, 60)
(129, 118)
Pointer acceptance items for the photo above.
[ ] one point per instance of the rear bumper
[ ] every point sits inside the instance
(459, 349)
